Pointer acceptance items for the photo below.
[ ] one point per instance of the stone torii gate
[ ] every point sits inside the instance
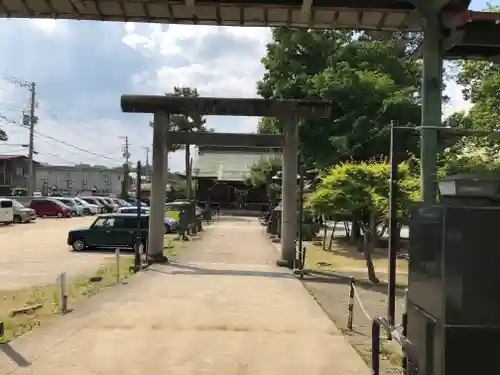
(288, 111)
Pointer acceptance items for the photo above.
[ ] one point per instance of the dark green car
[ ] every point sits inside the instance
(110, 231)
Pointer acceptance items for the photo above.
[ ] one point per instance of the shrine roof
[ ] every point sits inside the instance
(319, 14)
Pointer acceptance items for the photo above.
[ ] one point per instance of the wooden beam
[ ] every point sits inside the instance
(225, 139)
(225, 106)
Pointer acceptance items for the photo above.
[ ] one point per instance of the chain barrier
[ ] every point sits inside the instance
(396, 333)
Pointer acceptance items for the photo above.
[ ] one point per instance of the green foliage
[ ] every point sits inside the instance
(3, 136)
(262, 172)
(356, 188)
(479, 165)
(368, 78)
(186, 121)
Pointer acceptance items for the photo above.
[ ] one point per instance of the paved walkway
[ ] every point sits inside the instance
(223, 309)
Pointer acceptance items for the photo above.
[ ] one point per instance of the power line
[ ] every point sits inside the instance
(62, 142)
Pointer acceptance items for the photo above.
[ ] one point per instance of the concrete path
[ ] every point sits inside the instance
(223, 309)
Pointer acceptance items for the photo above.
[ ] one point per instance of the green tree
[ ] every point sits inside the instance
(3, 136)
(192, 122)
(188, 122)
(359, 191)
(262, 173)
(368, 77)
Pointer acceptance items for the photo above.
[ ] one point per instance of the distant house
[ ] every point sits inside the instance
(221, 173)
(13, 173)
(70, 180)
(52, 178)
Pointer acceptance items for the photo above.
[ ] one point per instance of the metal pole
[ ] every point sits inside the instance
(188, 173)
(431, 106)
(32, 122)
(393, 228)
(350, 307)
(138, 233)
(301, 217)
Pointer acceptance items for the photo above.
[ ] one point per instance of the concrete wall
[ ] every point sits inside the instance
(14, 173)
(70, 180)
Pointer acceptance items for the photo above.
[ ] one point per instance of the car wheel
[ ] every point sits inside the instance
(17, 219)
(59, 215)
(73, 213)
(79, 245)
(167, 228)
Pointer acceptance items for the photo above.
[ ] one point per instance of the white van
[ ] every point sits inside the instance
(6, 211)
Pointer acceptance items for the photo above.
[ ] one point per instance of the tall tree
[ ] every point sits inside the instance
(368, 77)
(481, 86)
(189, 122)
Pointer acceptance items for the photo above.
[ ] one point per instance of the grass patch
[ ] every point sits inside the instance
(346, 258)
(174, 214)
(78, 289)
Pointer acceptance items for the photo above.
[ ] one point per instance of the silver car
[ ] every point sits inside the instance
(22, 214)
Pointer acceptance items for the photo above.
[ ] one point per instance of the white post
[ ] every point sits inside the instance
(117, 257)
(63, 306)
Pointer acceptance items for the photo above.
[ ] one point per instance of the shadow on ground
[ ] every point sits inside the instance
(14, 355)
(174, 268)
(333, 277)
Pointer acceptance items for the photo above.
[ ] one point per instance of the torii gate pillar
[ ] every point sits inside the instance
(289, 191)
(432, 82)
(158, 188)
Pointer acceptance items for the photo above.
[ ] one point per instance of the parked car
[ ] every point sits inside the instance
(108, 204)
(6, 211)
(124, 203)
(97, 202)
(110, 231)
(76, 209)
(93, 208)
(50, 207)
(22, 214)
(171, 224)
(133, 210)
(118, 202)
(133, 202)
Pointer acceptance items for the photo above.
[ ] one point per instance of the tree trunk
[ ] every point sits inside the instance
(331, 237)
(188, 173)
(369, 242)
(325, 233)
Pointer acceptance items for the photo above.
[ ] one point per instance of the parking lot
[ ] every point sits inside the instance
(35, 253)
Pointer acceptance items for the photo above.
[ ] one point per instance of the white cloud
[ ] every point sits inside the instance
(457, 102)
(81, 69)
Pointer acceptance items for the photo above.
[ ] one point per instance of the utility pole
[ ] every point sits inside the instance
(30, 120)
(147, 162)
(126, 156)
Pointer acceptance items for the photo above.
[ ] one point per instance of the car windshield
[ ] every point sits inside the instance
(67, 202)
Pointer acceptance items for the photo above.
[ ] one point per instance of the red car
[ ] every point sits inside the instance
(46, 207)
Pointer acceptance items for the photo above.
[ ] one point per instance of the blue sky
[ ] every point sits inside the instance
(82, 68)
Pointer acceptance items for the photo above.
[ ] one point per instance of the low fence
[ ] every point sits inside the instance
(397, 333)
